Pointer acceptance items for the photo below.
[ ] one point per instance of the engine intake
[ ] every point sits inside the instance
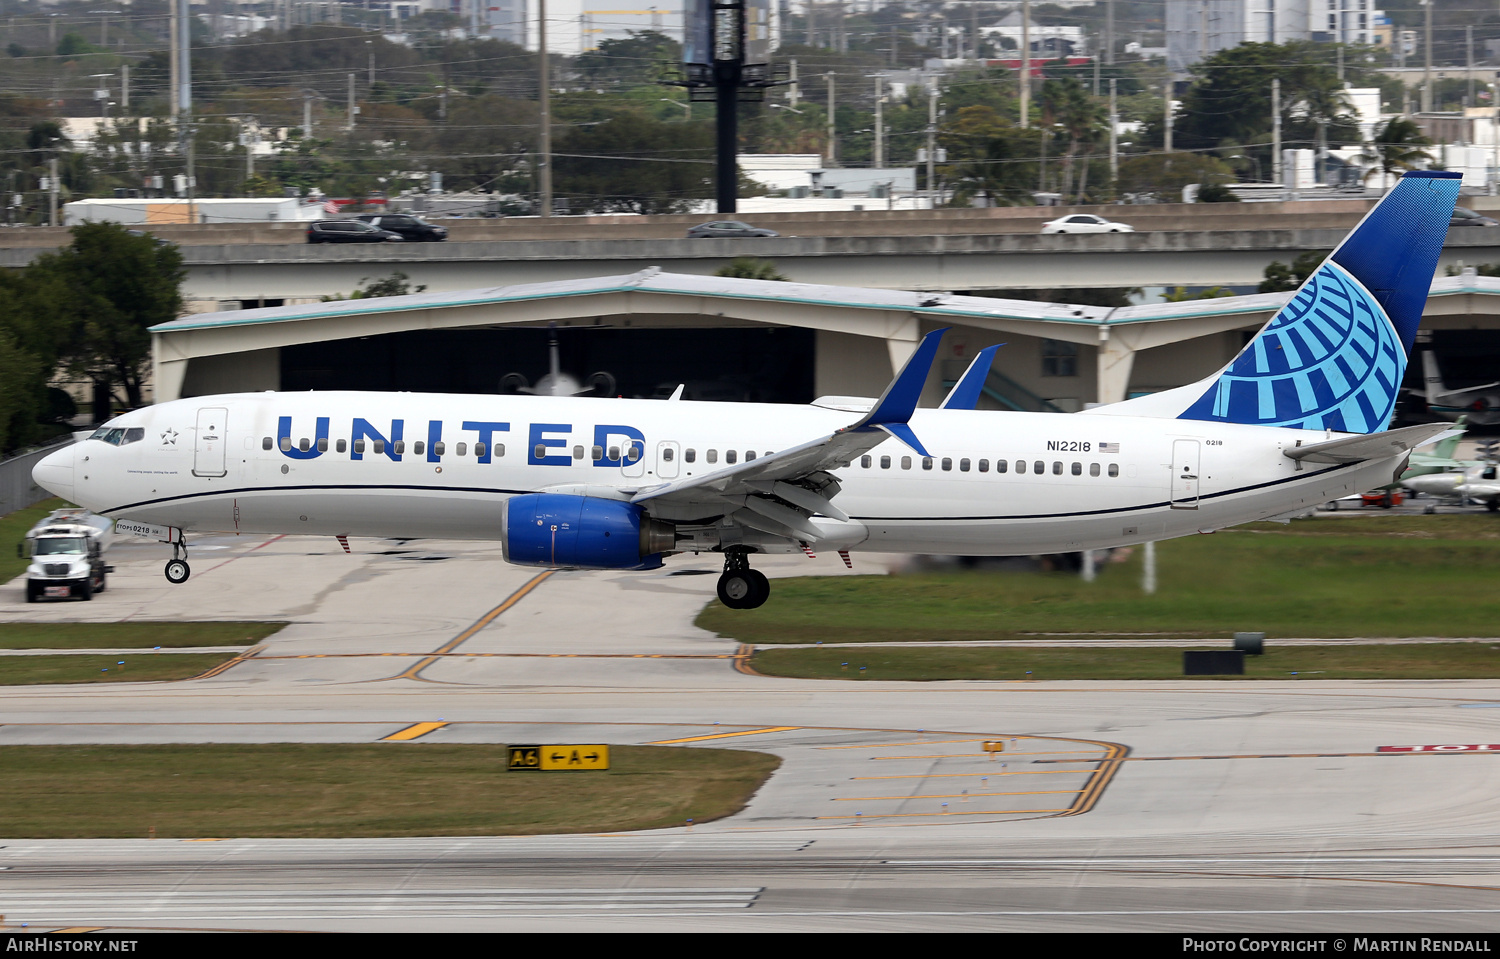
(560, 529)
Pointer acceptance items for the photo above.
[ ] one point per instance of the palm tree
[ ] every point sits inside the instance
(1397, 147)
(1078, 116)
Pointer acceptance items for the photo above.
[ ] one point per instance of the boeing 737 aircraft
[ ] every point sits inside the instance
(1298, 418)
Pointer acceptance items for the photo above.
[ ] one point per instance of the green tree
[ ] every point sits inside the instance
(1181, 295)
(1216, 193)
(750, 268)
(634, 163)
(642, 57)
(1280, 278)
(1397, 147)
(74, 45)
(114, 286)
(1163, 175)
(1231, 99)
(989, 156)
(1079, 119)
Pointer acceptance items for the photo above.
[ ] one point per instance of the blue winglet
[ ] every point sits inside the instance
(965, 395)
(902, 432)
(899, 400)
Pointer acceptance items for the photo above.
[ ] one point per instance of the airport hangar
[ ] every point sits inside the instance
(755, 340)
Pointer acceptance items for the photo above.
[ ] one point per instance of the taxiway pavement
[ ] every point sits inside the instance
(1217, 805)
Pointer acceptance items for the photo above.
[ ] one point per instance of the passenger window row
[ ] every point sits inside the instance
(418, 448)
(1001, 466)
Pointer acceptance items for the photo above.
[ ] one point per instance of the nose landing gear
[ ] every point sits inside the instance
(178, 569)
(741, 587)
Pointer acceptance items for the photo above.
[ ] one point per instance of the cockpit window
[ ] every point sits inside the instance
(119, 436)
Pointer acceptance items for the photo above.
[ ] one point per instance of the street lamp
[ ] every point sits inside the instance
(678, 103)
(789, 109)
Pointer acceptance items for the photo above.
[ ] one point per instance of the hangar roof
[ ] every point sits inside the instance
(653, 298)
(934, 305)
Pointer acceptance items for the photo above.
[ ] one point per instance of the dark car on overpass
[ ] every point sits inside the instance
(727, 228)
(1462, 217)
(411, 228)
(349, 231)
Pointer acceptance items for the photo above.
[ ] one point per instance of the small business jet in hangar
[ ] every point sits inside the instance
(1298, 418)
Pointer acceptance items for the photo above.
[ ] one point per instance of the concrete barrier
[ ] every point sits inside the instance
(17, 491)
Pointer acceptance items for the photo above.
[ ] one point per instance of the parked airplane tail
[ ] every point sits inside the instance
(1333, 358)
(1432, 377)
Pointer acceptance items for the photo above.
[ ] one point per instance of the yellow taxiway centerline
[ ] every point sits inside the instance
(743, 732)
(414, 731)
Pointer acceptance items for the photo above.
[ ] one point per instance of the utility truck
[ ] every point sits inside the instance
(67, 555)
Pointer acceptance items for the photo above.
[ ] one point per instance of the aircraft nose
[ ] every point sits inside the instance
(55, 472)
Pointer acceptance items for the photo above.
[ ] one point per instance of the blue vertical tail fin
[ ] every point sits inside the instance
(1333, 358)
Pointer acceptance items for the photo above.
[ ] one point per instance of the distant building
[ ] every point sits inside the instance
(1197, 29)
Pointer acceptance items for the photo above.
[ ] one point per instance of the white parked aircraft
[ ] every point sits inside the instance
(1295, 420)
(1479, 405)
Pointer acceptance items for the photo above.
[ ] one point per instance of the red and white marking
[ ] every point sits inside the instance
(1444, 748)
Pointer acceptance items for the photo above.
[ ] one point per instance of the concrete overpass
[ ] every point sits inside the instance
(1194, 245)
(250, 274)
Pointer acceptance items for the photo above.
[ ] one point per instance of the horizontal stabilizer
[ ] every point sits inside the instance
(1354, 449)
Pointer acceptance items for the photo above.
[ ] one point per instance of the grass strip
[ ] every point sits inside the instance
(1409, 661)
(1321, 577)
(132, 635)
(13, 527)
(358, 790)
(78, 668)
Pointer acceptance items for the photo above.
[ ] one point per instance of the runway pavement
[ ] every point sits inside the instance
(1193, 806)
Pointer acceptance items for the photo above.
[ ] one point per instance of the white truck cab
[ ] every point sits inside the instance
(67, 555)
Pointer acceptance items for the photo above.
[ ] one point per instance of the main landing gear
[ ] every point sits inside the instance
(178, 569)
(741, 587)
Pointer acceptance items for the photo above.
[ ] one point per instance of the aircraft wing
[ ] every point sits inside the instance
(765, 486)
(1353, 449)
(1454, 396)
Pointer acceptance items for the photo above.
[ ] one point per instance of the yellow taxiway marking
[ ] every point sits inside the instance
(928, 742)
(1099, 779)
(1024, 772)
(415, 670)
(503, 655)
(1015, 755)
(414, 731)
(976, 812)
(1039, 792)
(229, 663)
(743, 732)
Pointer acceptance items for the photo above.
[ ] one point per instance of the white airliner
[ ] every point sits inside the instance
(1297, 419)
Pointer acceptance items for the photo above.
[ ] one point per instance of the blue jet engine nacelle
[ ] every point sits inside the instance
(561, 529)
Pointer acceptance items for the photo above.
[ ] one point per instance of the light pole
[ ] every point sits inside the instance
(832, 160)
(686, 105)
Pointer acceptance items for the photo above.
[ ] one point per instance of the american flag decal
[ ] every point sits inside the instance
(1109, 447)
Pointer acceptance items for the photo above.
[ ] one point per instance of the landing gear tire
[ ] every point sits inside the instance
(1429, 510)
(178, 571)
(1492, 505)
(737, 589)
(762, 588)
